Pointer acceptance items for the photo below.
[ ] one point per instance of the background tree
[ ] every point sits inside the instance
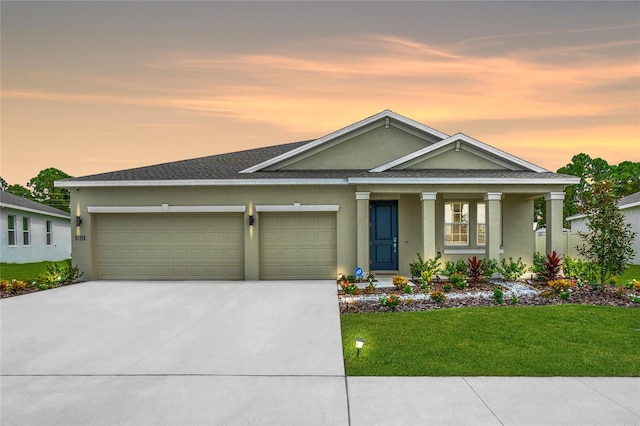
(44, 191)
(608, 242)
(20, 191)
(3, 184)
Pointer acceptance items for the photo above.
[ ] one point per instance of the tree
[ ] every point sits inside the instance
(20, 191)
(3, 184)
(608, 242)
(45, 192)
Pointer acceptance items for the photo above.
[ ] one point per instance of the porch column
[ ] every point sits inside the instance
(428, 200)
(493, 225)
(554, 202)
(362, 230)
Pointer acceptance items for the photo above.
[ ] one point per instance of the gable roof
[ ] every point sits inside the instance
(383, 116)
(629, 201)
(13, 201)
(254, 166)
(500, 156)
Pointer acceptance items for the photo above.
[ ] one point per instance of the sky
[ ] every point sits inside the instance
(90, 87)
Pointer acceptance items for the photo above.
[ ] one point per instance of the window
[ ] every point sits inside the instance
(49, 233)
(480, 221)
(11, 228)
(26, 237)
(456, 224)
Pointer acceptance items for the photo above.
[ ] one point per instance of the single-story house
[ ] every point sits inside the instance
(32, 232)
(369, 195)
(629, 206)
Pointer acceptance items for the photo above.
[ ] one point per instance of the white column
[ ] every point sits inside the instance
(428, 200)
(362, 229)
(493, 225)
(555, 203)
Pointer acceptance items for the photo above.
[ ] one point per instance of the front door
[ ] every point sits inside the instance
(383, 222)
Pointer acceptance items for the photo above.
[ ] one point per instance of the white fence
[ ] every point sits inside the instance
(570, 240)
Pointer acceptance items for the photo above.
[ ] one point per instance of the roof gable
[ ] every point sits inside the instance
(406, 134)
(460, 152)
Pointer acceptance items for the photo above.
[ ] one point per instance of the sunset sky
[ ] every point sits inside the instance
(89, 87)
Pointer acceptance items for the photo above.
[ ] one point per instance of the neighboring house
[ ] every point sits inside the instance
(370, 195)
(32, 232)
(629, 206)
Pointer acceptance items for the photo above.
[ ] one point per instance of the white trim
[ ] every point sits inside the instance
(467, 251)
(444, 180)
(554, 196)
(165, 208)
(628, 206)
(200, 182)
(26, 209)
(363, 195)
(345, 130)
(297, 207)
(453, 140)
(493, 196)
(428, 196)
(575, 216)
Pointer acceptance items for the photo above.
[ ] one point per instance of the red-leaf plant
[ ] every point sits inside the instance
(476, 270)
(552, 265)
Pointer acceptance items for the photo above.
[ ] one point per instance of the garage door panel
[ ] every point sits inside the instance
(170, 246)
(297, 245)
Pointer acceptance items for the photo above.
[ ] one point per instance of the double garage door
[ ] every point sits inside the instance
(211, 246)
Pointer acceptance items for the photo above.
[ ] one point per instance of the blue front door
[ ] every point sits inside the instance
(383, 222)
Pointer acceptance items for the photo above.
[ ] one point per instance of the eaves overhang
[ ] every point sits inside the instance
(26, 209)
(462, 181)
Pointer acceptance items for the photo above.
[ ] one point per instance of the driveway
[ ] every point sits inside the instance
(174, 353)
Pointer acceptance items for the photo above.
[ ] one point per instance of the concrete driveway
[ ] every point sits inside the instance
(174, 353)
(245, 353)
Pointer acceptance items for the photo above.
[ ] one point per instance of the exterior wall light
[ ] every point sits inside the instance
(359, 345)
(78, 221)
(252, 220)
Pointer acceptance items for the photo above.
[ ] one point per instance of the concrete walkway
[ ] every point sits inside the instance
(244, 353)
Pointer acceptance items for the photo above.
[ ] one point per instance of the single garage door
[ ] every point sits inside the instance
(297, 246)
(170, 246)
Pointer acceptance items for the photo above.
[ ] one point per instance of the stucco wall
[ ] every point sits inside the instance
(517, 211)
(38, 250)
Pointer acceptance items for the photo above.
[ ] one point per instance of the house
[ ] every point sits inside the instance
(369, 195)
(629, 206)
(32, 232)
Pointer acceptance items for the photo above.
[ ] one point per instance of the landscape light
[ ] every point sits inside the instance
(359, 345)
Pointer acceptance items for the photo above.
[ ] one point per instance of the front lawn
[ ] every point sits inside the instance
(632, 272)
(568, 340)
(25, 271)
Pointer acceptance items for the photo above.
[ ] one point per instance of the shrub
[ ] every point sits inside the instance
(446, 287)
(513, 269)
(633, 285)
(476, 269)
(59, 274)
(15, 286)
(538, 264)
(561, 285)
(392, 301)
(580, 270)
(425, 281)
(351, 278)
(451, 268)
(515, 300)
(424, 270)
(371, 286)
(552, 265)
(498, 295)
(407, 289)
(437, 295)
(458, 280)
(349, 287)
(490, 267)
(399, 281)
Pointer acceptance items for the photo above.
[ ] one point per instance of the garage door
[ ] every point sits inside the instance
(170, 246)
(297, 246)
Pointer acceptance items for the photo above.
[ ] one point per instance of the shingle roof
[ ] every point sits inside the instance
(8, 199)
(629, 199)
(228, 166)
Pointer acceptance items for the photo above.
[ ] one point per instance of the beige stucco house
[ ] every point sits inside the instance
(370, 195)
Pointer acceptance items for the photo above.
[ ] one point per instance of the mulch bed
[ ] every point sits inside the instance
(607, 296)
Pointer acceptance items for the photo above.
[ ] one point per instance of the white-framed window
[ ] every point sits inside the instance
(480, 224)
(456, 224)
(49, 232)
(26, 231)
(11, 230)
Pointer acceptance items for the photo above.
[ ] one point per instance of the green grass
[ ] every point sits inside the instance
(632, 272)
(24, 271)
(568, 340)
